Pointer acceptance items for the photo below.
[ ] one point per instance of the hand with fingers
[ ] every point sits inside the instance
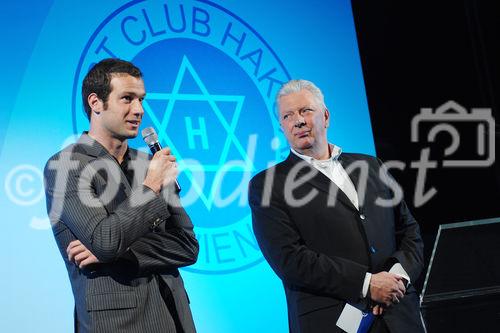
(378, 310)
(386, 289)
(162, 170)
(80, 255)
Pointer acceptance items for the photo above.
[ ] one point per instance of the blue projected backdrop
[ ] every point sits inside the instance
(211, 71)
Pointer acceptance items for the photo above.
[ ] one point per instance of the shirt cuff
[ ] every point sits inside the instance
(366, 284)
(399, 270)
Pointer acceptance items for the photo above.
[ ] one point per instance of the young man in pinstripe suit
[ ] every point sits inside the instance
(116, 215)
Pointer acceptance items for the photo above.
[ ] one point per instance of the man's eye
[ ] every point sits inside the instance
(127, 98)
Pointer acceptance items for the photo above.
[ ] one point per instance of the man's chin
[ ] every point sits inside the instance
(304, 144)
(128, 135)
(133, 136)
(302, 147)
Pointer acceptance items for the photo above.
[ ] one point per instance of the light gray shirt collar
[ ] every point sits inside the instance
(334, 155)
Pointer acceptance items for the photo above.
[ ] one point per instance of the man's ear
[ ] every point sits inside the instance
(327, 118)
(95, 103)
(280, 126)
(278, 119)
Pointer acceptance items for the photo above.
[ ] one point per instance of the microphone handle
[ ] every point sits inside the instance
(155, 147)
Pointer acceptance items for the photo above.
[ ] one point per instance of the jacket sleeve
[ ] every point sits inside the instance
(295, 263)
(172, 245)
(409, 243)
(72, 200)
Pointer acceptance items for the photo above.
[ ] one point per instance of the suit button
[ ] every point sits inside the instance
(154, 226)
(361, 216)
(373, 249)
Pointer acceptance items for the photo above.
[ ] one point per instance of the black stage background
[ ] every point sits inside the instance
(422, 54)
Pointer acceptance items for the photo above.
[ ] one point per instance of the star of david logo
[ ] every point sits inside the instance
(212, 100)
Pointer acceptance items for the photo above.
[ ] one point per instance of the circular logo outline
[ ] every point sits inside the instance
(78, 73)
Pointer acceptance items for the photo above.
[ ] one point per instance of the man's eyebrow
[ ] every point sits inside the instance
(286, 112)
(133, 93)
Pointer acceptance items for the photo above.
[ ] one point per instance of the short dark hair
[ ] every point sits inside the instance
(98, 79)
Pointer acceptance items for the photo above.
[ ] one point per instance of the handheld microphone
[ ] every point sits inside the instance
(151, 138)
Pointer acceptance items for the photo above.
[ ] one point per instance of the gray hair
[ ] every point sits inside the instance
(294, 86)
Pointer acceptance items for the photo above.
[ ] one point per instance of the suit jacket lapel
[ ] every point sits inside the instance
(320, 181)
(95, 149)
(353, 174)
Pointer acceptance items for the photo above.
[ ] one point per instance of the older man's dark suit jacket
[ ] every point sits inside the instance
(139, 237)
(321, 252)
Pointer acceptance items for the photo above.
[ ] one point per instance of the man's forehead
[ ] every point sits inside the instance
(126, 81)
(297, 100)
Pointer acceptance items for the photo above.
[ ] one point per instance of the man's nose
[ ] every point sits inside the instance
(299, 121)
(137, 108)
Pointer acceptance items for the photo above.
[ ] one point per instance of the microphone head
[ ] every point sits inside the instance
(149, 135)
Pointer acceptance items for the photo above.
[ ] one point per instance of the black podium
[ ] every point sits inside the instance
(462, 287)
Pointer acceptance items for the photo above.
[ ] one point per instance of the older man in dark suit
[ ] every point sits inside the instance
(333, 228)
(116, 215)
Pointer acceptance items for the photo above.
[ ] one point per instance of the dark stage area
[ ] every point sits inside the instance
(422, 55)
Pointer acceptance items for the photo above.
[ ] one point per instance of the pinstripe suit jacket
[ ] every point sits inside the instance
(140, 239)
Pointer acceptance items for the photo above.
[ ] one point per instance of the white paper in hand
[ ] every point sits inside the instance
(350, 318)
